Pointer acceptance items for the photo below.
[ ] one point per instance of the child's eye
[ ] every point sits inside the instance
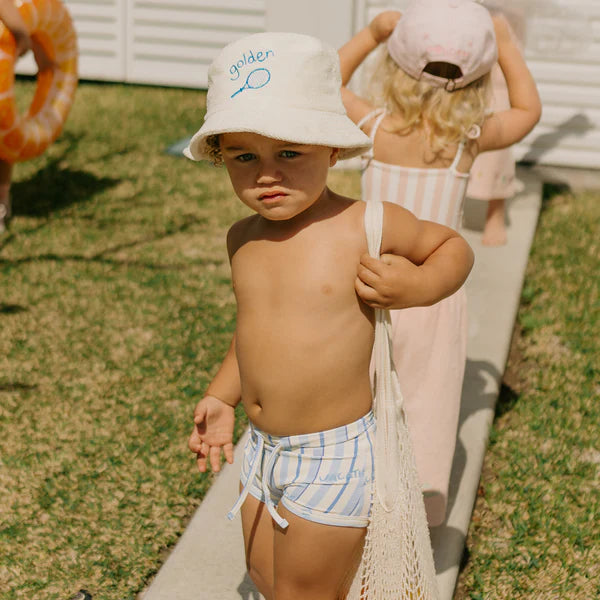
(245, 157)
(289, 153)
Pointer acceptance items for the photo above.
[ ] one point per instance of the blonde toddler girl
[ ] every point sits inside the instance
(428, 121)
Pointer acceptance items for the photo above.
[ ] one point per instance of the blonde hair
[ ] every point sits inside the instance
(448, 117)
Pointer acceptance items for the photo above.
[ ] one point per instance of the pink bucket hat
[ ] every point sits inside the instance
(459, 32)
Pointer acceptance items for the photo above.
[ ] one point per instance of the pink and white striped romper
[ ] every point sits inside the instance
(429, 342)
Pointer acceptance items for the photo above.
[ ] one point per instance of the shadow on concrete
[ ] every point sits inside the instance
(478, 394)
(247, 590)
(454, 538)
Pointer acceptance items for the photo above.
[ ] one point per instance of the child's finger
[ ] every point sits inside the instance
(372, 264)
(199, 414)
(215, 458)
(228, 451)
(367, 276)
(367, 294)
(194, 442)
(201, 462)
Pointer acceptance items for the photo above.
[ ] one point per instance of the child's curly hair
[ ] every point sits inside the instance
(450, 116)
(213, 149)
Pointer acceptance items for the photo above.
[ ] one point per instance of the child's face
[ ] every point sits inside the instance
(277, 179)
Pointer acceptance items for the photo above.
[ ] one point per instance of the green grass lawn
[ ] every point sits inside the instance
(115, 309)
(535, 532)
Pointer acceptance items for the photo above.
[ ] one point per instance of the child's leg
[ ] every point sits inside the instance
(305, 560)
(258, 528)
(314, 561)
(5, 178)
(494, 232)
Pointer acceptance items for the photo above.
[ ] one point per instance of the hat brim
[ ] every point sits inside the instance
(300, 126)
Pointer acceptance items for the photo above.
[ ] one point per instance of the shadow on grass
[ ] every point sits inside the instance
(57, 186)
(11, 309)
(17, 386)
(506, 401)
(104, 255)
(550, 189)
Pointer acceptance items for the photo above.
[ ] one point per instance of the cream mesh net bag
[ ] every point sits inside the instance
(397, 560)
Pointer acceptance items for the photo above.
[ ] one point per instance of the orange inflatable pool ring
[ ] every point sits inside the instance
(28, 135)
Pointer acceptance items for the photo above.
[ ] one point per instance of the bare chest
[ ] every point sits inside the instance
(302, 274)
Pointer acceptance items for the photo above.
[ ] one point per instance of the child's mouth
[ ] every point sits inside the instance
(270, 197)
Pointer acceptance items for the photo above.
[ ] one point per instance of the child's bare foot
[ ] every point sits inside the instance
(494, 232)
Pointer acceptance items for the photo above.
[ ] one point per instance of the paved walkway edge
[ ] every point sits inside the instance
(493, 292)
(208, 561)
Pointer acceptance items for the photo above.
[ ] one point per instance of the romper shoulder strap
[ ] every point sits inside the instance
(380, 114)
(369, 116)
(374, 226)
(457, 157)
(473, 133)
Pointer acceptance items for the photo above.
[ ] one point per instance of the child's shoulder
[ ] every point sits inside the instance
(239, 232)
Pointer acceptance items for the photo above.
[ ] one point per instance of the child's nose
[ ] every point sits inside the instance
(268, 172)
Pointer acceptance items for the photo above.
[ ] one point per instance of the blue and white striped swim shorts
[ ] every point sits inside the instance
(324, 477)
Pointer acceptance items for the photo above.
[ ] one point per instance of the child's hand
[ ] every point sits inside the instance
(386, 283)
(383, 24)
(23, 41)
(213, 431)
(43, 61)
(503, 30)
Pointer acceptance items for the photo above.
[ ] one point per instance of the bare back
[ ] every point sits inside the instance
(413, 150)
(304, 338)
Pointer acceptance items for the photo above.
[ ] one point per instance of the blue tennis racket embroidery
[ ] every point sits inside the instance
(255, 80)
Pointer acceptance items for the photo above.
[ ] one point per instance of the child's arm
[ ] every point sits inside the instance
(355, 51)
(508, 127)
(214, 415)
(11, 17)
(421, 263)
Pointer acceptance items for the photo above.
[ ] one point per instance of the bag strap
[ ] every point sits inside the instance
(387, 396)
(374, 226)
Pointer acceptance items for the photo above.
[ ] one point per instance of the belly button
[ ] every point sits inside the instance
(326, 289)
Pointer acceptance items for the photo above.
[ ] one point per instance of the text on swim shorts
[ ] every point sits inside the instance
(333, 477)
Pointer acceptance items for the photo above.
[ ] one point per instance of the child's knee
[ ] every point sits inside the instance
(261, 579)
(289, 588)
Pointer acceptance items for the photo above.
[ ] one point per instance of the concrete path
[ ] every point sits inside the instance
(208, 561)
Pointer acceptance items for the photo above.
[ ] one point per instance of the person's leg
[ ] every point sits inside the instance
(5, 179)
(258, 528)
(494, 232)
(314, 561)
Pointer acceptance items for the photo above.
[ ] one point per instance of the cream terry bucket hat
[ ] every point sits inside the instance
(284, 86)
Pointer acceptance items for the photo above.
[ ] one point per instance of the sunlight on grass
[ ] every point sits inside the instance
(535, 528)
(115, 308)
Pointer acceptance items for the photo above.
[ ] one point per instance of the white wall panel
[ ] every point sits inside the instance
(100, 26)
(164, 42)
(173, 42)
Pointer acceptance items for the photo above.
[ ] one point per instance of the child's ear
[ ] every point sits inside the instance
(335, 152)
